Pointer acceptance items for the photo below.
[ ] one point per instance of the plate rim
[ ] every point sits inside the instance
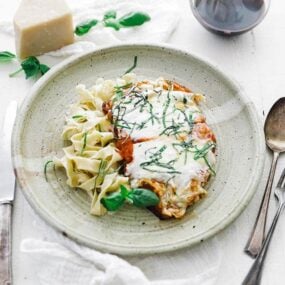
(125, 250)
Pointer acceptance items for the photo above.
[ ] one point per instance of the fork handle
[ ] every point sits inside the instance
(5, 244)
(257, 236)
(254, 275)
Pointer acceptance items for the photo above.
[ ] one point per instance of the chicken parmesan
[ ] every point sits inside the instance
(142, 134)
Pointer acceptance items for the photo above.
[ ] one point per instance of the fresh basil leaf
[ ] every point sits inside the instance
(113, 202)
(134, 19)
(44, 69)
(143, 197)
(124, 191)
(31, 66)
(6, 56)
(85, 27)
(112, 23)
(110, 15)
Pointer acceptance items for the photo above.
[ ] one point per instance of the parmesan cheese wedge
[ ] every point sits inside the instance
(42, 26)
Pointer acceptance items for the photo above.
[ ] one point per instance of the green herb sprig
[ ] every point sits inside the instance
(139, 197)
(31, 67)
(110, 20)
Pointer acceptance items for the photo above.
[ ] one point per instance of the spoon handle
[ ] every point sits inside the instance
(256, 238)
(254, 275)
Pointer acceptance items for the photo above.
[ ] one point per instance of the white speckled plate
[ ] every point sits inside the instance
(36, 139)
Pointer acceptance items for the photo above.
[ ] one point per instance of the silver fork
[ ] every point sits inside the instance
(254, 275)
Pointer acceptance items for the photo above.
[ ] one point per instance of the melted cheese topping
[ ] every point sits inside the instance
(166, 160)
(172, 143)
(148, 113)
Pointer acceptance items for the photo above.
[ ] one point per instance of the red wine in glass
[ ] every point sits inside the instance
(229, 17)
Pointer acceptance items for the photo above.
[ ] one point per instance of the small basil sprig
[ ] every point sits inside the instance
(110, 20)
(85, 27)
(6, 56)
(32, 67)
(139, 197)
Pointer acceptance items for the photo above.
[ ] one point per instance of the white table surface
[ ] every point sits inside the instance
(256, 60)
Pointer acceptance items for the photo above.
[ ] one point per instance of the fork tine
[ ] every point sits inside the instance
(281, 179)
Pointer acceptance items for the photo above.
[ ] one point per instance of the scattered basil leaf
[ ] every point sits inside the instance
(112, 23)
(6, 56)
(44, 69)
(85, 27)
(144, 198)
(110, 20)
(133, 66)
(139, 197)
(134, 19)
(32, 67)
(124, 191)
(110, 15)
(113, 201)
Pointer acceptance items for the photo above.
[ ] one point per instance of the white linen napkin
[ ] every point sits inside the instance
(164, 19)
(58, 260)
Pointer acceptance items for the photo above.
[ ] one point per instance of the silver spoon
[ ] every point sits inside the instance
(254, 275)
(274, 130)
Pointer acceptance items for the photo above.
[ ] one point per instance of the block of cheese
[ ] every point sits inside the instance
(42, 26)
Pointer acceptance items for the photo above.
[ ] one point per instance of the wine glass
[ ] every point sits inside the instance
(229, 17)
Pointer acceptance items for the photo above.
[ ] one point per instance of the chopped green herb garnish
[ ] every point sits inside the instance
(84, 142)
(199, 153)
(77, 116)
(133, 66)
(154, 164)
(166, 107)
(45, 168)
(101, 172)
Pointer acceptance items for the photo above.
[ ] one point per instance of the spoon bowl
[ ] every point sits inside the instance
(274, 127)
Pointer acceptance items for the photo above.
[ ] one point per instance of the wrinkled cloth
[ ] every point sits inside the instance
(164, 20)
